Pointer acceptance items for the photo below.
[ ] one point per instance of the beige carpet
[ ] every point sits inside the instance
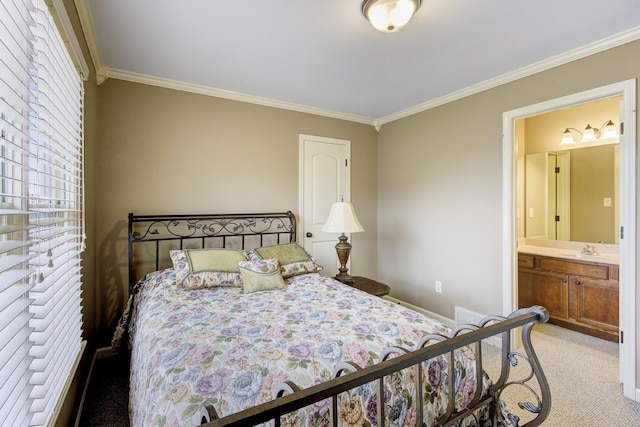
(583, 376)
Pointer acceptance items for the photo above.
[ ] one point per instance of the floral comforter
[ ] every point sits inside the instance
(222, 347)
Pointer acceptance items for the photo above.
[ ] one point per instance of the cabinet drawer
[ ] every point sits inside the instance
(595, 271)
(525, 260)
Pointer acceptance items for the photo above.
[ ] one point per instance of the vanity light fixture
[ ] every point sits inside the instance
(606, 131)
(388, 16)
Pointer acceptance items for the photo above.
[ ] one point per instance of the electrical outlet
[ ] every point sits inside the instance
(438, 287)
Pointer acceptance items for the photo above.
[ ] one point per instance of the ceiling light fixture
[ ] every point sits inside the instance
(606, 131)
(389, 15)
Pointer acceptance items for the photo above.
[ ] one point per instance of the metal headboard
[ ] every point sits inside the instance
(201, 231)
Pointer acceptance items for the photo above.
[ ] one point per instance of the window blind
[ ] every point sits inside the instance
(41, 213)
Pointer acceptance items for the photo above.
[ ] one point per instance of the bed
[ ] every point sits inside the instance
(230, 322)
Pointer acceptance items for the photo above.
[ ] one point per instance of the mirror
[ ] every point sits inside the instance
(573, 194)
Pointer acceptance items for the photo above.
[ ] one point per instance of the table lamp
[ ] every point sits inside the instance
(343, 219)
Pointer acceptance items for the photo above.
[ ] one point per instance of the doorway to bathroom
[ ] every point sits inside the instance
(568, 185)
(626, 227)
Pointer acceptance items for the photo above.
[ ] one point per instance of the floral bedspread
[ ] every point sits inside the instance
(222, 347)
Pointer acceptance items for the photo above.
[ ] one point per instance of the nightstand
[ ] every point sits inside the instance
(370, 286)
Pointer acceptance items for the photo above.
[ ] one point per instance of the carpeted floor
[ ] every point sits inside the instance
(107, 399)
(582, 372)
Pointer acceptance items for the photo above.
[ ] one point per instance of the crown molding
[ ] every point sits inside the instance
(564, 58)
(103, 73)
(234, 96)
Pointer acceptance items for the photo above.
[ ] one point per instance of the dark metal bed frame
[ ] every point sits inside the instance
(247, 231)
(210, 230)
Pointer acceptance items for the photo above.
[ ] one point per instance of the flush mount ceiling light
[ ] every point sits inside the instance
(389, 15)
(606, 131)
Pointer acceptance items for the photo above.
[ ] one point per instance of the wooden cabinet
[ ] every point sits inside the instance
(580, 295)
(596, 304)
(543, 288)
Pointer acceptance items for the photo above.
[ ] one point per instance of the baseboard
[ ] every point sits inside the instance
(100, 353)
(449, 322)
(462, 316)
(104, 352)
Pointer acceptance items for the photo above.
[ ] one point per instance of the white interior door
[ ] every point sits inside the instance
(324, 179)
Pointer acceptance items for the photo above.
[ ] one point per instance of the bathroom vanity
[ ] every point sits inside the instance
(580, 292)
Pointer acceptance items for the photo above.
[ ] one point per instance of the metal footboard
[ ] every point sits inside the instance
(349, 376)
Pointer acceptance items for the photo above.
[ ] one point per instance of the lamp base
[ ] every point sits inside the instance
(344, 278)
(343, 248)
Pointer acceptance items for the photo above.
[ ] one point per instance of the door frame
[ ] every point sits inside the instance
(628, 200)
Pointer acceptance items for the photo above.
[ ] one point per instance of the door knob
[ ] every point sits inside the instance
(309, 234)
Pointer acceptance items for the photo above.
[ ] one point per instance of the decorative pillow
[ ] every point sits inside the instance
(293, 259)
(261, 275)
(204, 268)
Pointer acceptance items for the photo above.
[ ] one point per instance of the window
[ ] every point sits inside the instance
(41, 214)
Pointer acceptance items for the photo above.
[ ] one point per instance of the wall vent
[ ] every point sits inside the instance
(464, 315)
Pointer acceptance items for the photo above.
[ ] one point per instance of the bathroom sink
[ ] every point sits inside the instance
(580, 255)
(590, 256)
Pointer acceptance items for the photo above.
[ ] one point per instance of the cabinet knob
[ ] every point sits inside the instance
(564, 280)
(309, 234)
(577, 282)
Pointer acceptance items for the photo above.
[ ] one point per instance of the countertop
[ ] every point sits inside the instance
(605, 258)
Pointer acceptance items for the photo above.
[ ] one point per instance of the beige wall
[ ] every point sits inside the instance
(165, 151)
(440, 186)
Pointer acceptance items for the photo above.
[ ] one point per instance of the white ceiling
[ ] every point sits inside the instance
(323, 55)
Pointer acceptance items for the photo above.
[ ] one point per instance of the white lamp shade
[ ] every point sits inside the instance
(342, 219)
(567, 138)
(589, 135)
(609, 131)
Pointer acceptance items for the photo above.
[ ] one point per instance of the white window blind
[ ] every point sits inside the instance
(41, 214)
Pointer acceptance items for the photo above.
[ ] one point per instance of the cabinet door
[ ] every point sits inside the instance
(596, 303)
(549, 290)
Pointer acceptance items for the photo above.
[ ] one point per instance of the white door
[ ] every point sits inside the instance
(324, 179)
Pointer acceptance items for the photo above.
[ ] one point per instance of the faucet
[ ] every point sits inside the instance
(589, 249)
